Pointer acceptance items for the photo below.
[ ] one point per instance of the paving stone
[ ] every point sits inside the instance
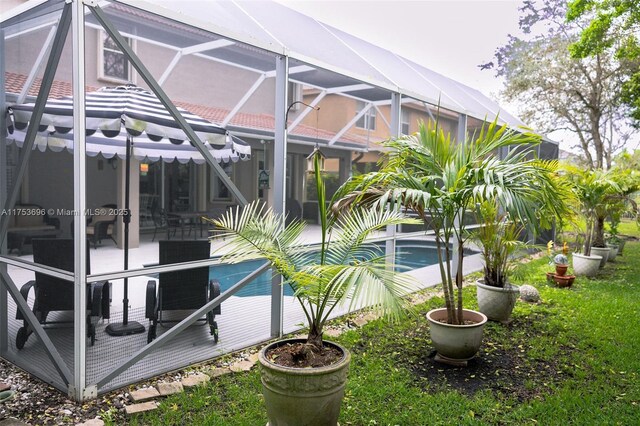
(360, 321)
(141, 407)
(169, 388)
(195, 380)
(144, 394)
(217, 372)
(12, 422)
(242, 366)
(4, 386)
(370, 317)
(92, 422)
(253, 358)
(333, 332)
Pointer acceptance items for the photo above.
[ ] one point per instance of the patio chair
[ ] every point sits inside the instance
(102, 225)
(189, 289)
(55, 294)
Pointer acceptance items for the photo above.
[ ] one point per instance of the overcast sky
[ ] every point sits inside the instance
(451, 37)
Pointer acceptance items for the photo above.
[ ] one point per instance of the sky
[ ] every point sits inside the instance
(451, 37)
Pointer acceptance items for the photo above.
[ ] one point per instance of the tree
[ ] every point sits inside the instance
(442, 180)
(615, 24)
(559, 92)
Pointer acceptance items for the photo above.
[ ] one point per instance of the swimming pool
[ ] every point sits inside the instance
(410, 254)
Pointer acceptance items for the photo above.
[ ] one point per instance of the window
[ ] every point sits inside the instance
(368, 119)
(219, 191)
(112, 63)
(404, 122)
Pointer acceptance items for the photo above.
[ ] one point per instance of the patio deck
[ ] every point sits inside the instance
(245, 321)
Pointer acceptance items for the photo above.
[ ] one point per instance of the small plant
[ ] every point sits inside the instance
(498, 238)
(561, 259)
(557, 258)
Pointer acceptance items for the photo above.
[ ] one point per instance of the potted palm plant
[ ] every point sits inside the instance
(593, 189)
(303, 379)
(441, 180)
(499, 241)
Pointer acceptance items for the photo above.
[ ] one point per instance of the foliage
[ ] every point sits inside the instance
(442, 180)
(594, 189)
(559, 92)
(581, 335)
(498, 238)
(613, 25)
(346, 268)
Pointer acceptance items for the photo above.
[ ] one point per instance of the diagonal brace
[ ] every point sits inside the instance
(34, 122)
(37, 328)
(99, 14)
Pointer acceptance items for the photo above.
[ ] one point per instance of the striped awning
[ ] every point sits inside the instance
(114, 112)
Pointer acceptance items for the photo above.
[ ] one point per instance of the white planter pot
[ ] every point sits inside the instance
(586, 265)
(601, 251)
(495, 302)
(613, 253)
(456, 343)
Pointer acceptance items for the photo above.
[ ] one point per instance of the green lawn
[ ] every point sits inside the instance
(572, 359)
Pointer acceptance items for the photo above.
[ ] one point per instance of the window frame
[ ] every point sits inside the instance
(368, 119)
(102, 37)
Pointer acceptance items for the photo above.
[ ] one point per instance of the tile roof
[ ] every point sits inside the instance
(261, 122)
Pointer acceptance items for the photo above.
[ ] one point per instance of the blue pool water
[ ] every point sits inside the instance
(409, 255)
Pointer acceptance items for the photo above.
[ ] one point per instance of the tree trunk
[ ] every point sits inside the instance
(598, 233)
(315, 336)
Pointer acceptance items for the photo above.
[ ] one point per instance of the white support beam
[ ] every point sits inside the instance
(381, 115)
(169, 68)
(46, 46)
(203, 47)
(306, 111)
(79, 384)
(350, 123)
(351, 88)
(243, 101)
(292, 70)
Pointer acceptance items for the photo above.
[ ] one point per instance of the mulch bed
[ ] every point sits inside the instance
(500, 368)
(303, 355)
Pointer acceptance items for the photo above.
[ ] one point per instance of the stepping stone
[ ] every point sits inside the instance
(169, 388)
(12, 422)
(241, 366)
(370, 317)
(92, 422)
(360, 322)
(333, 332)
(217, 372)
(195, 380)
(253, 358)
(144, 394)
(4, 386)
(139, 408)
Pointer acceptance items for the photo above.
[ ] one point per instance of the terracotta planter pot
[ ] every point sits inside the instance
(456, 343)
(561, 269)
(613, 253)
(495, 302)
(586, 265)
(564, 280)
(303, 396)
(601, 251)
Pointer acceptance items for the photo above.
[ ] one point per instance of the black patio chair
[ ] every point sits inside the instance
(55, 294)
(189, 289)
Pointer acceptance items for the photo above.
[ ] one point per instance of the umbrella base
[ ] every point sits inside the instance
(121, 329)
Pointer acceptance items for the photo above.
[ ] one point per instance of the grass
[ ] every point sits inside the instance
(573, 359)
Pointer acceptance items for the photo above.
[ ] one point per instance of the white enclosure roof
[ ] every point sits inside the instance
(325, 57)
